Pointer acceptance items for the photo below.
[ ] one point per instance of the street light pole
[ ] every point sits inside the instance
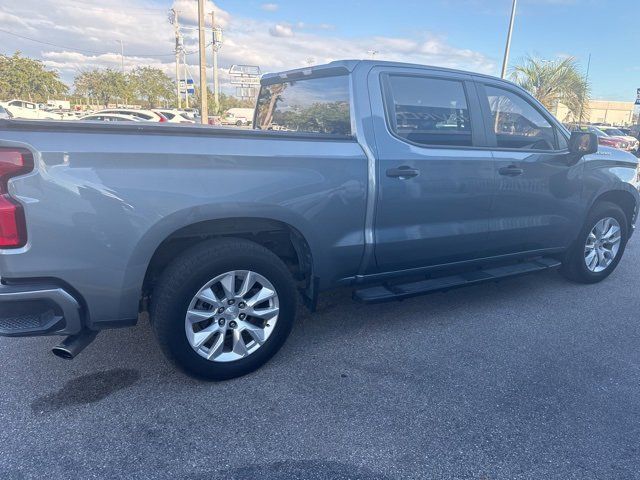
(214, 47)
(204, 109)
(507, 47)
(176, 29)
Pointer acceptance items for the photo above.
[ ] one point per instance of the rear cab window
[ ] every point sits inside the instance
(313, 105)
(428, 111)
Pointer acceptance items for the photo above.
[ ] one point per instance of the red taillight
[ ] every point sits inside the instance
(163, 118)
(13, 232)
(12, 224)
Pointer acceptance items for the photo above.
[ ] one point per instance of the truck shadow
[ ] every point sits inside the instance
(296, 469)
(86, 389)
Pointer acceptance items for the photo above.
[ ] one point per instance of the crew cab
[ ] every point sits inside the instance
(394, 179)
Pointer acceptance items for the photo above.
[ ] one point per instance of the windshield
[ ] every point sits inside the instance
(597, 131)
(614, 131)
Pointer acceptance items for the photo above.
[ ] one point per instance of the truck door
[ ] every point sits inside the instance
(538, 189)
(435, 181)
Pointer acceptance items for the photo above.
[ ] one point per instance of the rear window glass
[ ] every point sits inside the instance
(316, 105)
(429, 111)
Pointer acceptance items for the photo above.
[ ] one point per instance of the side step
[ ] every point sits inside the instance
(385, 293)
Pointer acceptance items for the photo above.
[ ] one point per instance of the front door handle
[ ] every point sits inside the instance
(403, 172)
(511, 171)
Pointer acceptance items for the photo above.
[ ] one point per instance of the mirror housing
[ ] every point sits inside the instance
(583, 143)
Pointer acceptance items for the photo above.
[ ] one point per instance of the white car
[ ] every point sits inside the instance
(111, 117)
(4, 113)
(174, 116)
(148, 115)
(24, 109)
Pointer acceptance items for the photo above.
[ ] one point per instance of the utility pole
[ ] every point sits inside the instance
(507, 47)
(204, 107)
(122, 55)
(176, 28)
(214, 47)
(185, 71)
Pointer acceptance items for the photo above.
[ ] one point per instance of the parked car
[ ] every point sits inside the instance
(392, 178)
(238, 117)
(147, 115)
(605, 139)
(632, 142)
(111, 117)
(174, 116)
(24, 109)
(4, 113)
(191, 113)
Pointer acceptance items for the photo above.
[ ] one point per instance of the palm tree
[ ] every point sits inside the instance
(553, 82)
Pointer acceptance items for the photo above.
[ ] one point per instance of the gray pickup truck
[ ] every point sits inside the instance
(392, 178)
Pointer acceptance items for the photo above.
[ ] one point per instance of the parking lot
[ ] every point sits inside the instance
(533, 377)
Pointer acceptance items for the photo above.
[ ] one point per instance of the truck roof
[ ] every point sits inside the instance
(347, 66)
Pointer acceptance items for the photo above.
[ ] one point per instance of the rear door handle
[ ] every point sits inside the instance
(511, 171)
(403, 172)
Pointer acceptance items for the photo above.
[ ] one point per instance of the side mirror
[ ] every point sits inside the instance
(583, 143)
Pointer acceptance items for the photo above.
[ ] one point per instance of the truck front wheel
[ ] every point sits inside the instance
(223, 308)
(600, 245)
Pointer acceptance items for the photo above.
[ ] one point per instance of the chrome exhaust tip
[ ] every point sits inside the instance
(71, 346)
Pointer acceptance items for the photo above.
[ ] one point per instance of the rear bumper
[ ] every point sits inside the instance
(38, 309)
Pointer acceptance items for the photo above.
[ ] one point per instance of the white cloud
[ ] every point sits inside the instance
(281, 30)
(92, 33)
(269, 7)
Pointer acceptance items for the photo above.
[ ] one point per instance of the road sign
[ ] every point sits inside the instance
(246, 78)
(244, 70)
(638, 96)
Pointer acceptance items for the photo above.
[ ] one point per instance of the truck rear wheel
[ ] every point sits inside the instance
(223, 308)
(600, 245)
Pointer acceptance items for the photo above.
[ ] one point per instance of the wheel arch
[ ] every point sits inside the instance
(280, 237)
(626, 200)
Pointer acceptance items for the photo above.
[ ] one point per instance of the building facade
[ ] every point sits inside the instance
(601, 111)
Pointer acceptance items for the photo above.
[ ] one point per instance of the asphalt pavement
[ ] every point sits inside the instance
(530, 378)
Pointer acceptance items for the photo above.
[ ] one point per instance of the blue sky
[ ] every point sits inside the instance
(610, 31)
(74, 35)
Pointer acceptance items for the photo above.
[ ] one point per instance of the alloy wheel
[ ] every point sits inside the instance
(602, 244)
(232, 316)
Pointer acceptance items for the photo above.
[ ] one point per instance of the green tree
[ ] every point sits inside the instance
(229, 101)
(104, 86)
(226, 102)
(152, 86)
(22, 77)
(553, 82)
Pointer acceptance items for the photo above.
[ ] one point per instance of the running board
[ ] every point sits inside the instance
(385, 293)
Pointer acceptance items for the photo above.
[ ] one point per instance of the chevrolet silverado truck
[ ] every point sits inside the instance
(392, 178)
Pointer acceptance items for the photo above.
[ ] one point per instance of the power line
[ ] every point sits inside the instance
(91, 6)
(95, 52)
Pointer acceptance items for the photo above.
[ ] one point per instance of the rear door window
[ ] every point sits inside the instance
(428, 111)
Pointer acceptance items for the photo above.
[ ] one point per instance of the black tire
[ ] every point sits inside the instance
(184, 277)
(574, 267)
